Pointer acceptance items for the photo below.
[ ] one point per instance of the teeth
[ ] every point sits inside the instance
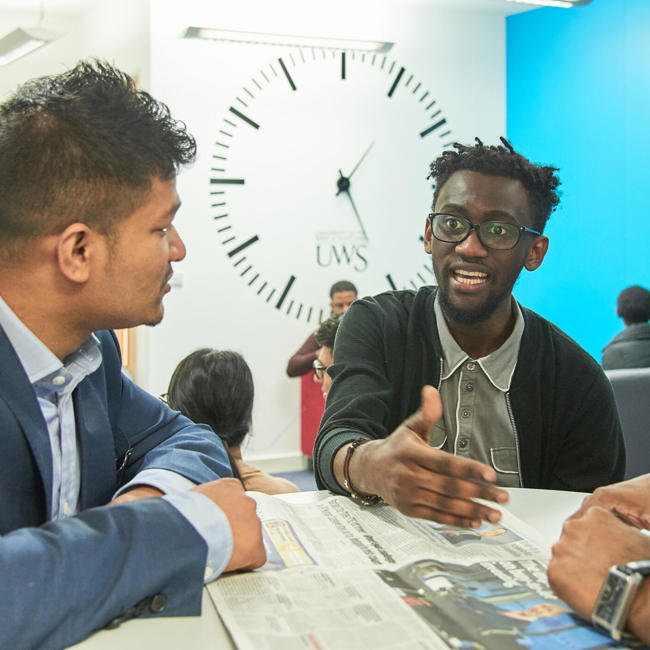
(470, 277)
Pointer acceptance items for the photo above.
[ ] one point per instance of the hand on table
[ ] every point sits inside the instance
(248, 547)
(421, 481)
(590, 544)
(630, 500)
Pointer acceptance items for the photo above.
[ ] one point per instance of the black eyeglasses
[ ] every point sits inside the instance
(499, 235)
(319, 369)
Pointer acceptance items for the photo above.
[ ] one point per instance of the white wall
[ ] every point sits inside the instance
(462, 56)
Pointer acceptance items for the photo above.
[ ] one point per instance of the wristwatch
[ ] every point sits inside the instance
(617, 595)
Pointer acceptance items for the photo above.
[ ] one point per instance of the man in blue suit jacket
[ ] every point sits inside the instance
(110, 508)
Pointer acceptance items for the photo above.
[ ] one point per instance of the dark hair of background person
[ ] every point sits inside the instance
(539, 181)
(65, 158)
(342, 285)
(326, 332)
(215, 387)
(633, 304)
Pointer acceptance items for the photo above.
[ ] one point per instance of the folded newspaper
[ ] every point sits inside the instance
(339, 576)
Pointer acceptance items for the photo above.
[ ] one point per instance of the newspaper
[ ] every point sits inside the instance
(339, 576)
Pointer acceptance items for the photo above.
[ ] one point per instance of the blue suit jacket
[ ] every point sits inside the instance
(62, 580)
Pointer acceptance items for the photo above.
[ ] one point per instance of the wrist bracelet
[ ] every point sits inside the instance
(363, 499)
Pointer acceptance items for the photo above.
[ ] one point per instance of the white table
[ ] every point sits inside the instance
(544, 510)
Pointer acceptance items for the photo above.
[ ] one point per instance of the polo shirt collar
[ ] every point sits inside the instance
(498, 366)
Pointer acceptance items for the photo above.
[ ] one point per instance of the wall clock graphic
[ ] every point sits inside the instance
(318, 174)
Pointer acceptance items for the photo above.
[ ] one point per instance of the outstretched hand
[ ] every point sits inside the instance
(421, 481)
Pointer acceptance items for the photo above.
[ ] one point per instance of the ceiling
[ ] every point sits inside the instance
(81, 6)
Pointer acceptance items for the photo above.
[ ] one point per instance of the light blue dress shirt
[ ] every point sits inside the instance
(54, 382)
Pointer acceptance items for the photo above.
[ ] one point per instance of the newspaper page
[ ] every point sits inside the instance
(339, 575)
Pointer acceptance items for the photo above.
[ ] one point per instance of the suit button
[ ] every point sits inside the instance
(158, 603)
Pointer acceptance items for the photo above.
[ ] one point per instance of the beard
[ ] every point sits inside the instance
(479, 314)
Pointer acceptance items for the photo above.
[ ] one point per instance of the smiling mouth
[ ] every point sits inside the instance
(470, 277)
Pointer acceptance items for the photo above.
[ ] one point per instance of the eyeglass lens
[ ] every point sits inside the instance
(493, 234)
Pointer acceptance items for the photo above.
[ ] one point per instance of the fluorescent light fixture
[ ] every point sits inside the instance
(23, 41)
(286, 39)
(565, 4)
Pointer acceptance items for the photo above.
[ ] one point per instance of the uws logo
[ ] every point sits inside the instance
(342, 249)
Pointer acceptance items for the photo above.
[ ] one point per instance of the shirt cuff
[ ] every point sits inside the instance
(211, 523)
(165, 480)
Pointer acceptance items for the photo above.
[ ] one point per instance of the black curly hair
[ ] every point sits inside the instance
(539, 181)
(84, 146)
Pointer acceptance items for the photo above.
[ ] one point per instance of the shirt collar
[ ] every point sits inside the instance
(499, 366)
(37, 359)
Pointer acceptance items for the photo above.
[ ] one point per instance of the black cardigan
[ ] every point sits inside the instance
(387, 348)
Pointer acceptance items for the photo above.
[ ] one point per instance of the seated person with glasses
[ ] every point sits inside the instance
(215, 387)
(325, 336)
(499, 396)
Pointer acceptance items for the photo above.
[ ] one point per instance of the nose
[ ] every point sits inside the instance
(471, 246)
(177, 250)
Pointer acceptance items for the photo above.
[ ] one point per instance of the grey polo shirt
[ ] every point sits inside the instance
(476, 420)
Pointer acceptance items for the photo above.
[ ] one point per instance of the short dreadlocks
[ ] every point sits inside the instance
(539, 181)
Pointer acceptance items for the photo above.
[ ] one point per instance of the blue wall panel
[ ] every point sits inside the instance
(578, 97)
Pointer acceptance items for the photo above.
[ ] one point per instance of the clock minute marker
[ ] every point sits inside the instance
(433, 127)
(243, 246)
(286, 73)
(342, 65)
(227, 181)
(285, 291)
(243, 117)
(397, 80)
(392, 284)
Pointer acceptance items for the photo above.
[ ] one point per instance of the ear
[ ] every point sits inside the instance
(75, 249)
(536, 253)
(427, 237)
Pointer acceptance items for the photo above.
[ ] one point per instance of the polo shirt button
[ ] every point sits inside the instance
(58, 380)
(469, 387)
(471, 366)
(463, 442)
(466, 413)
(158, 603)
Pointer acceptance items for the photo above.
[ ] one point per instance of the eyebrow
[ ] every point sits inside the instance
(500, 214)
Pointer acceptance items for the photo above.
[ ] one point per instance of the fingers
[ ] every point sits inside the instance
(240, 509)
(418, 492)
(427, 415)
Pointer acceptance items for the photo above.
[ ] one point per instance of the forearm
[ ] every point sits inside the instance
(94, 567)
(639, 618)
(301, 362)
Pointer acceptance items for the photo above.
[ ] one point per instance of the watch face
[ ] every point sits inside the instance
(318, 174)
(615, 600)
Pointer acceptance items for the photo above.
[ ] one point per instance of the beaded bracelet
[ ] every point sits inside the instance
(363, 499)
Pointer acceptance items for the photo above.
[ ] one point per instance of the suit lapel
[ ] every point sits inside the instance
(97, 447)
(19, 395)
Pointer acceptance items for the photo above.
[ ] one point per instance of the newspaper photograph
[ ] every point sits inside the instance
(339, 575)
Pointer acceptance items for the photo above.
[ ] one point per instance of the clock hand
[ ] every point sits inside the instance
(372, 144)
(343, 185)
(356, 214)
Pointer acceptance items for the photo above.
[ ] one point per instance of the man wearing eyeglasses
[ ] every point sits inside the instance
(325, 336)
(500, 397)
